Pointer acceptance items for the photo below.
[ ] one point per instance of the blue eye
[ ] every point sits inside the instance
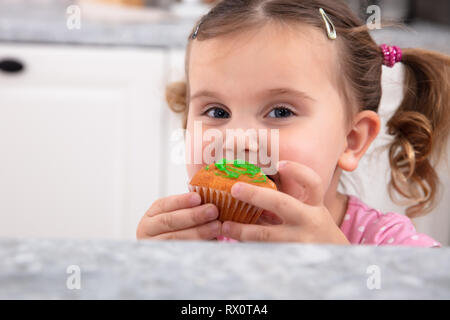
(280, 112)
(217, 113)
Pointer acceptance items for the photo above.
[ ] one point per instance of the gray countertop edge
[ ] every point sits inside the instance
(81, 45)
(111, 269)
(26, 28)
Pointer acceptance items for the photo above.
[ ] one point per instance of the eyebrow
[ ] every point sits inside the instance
(263, 94)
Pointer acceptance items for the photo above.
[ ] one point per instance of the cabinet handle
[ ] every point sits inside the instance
(11, 65)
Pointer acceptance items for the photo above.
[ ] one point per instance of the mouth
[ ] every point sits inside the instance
(276, 179)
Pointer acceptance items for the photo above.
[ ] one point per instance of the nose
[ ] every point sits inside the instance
(241, 143)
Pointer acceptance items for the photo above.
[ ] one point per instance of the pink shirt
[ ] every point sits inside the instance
(365, 225)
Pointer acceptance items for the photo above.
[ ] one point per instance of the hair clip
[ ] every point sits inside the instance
(194, 35)
(331, 31)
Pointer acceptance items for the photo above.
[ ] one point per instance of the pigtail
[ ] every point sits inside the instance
(420, 127)
(176, 99)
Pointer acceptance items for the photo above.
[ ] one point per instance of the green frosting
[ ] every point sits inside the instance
(234, 169)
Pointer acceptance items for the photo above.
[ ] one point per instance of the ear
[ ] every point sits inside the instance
(366, 126)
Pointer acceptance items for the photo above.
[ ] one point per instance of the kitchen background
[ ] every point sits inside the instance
(87, 142)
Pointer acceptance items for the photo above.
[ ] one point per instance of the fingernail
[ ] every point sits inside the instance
(281, 164)
(236, 189)
(211, 212)
(195, 199)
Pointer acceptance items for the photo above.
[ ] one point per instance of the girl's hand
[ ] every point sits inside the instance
(180, 217)
(303, 217)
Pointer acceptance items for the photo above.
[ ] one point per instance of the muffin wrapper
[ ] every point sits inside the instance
(229, 207)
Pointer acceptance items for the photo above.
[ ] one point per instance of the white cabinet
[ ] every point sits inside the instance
(80, 140)
(176, 178)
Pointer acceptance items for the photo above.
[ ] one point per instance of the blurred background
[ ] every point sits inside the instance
(87, 141)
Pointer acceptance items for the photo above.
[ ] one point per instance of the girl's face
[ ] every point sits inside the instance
(275, 77)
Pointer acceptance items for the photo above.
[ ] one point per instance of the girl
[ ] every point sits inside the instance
(310, 69)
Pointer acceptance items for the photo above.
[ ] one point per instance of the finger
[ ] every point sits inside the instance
(301, 182)
(180, 219)
(207, 231)
(175, 202)
(268, 218)
(283, 205)
(249, 232)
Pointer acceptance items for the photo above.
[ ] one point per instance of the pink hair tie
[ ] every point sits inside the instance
(392, 54)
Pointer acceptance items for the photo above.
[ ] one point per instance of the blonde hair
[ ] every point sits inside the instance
(421, 124)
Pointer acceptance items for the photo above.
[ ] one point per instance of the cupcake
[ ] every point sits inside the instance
(213, 183)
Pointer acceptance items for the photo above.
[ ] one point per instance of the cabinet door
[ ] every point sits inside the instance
(80, 140)
(176, 178)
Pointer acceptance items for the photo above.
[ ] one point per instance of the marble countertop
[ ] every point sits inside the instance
(39, 21)
(110, 269)
(45, 21)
